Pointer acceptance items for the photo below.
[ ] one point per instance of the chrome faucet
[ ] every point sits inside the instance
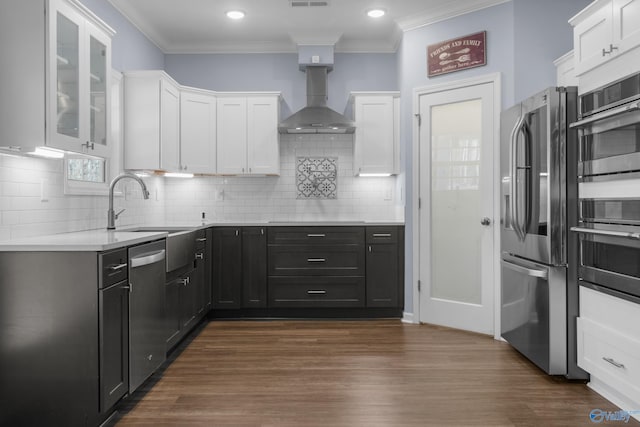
(111, 215)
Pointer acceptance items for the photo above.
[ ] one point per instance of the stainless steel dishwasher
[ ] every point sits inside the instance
(146, 311)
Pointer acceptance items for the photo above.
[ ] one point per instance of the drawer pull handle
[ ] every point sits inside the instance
(316, 235)
(316, 292)
(316, 260)
(199, 256)
(613, 362)
(381, 234)
(201, 239)
(117, 267)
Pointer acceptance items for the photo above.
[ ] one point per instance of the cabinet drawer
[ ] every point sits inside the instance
(114, 267)
(615, 313)
(323, 260)
(611, 357)
(316, 235)
(382, 234)
(316, 291)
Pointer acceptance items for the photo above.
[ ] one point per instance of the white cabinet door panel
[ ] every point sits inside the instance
(626, 24)
(170, 127)
(376, 137)
(197, 132)
(232, 135)
(591, 36)
(262, 136)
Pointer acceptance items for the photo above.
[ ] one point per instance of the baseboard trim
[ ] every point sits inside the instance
(408, 317)
(614, 396)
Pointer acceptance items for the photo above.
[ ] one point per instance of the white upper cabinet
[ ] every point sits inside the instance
(565, 70)
(197, 131)
(232, 135)
(376, 140)
(55, 71)
(247, 134)
(152, 121)
(263, 148)
(604, 30)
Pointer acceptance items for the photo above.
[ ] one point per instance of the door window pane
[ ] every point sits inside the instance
(456, 201)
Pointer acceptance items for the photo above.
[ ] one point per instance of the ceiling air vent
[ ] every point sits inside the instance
(300, 3)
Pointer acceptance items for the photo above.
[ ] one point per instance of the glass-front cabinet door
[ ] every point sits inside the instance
(79, 68)
(99, 67)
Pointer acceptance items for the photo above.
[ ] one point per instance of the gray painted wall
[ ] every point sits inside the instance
(542, 35)
(523, 39)
(131, 50)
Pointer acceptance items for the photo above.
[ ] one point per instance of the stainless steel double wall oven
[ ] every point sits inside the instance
(609, 189)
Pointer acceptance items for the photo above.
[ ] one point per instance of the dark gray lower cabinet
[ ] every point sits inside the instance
(188, 291)
(385, 266)
(239, 267)
(173, 289)
(308, 267)
(254, 267)
(114, 344)
(227, 267)
(316, 267)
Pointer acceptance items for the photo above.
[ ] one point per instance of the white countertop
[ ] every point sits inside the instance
(104, 240)
(92, 240)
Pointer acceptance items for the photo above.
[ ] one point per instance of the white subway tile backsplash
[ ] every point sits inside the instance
(23, 214)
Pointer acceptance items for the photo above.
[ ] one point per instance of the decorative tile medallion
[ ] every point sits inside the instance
(316, 177)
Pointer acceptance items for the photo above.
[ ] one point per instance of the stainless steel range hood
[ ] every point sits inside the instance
(316, 117)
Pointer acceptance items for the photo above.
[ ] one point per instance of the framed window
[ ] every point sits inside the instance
(86, 175)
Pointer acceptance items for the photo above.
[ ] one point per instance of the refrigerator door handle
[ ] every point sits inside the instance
(528, 168)
(515, 213)
(532, 272)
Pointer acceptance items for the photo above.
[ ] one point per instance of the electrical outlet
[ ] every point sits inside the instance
(388, 194)
(44, 194)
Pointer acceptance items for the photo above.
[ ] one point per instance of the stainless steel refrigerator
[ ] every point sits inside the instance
(539, 291)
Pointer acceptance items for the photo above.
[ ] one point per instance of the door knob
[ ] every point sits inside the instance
(485, 221)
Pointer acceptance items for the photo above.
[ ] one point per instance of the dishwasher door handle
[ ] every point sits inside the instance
(148, 258)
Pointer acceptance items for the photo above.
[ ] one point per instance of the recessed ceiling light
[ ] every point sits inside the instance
(376, 13)
(235, 14)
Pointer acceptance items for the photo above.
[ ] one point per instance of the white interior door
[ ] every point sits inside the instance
(456, 188)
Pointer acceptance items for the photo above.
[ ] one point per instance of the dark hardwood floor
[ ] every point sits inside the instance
(354, 373)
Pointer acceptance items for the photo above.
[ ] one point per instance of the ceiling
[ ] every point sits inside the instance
(200, 26)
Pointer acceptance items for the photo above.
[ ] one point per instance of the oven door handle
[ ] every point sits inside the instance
(606, 114)
(532, 272)
(623, 234)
